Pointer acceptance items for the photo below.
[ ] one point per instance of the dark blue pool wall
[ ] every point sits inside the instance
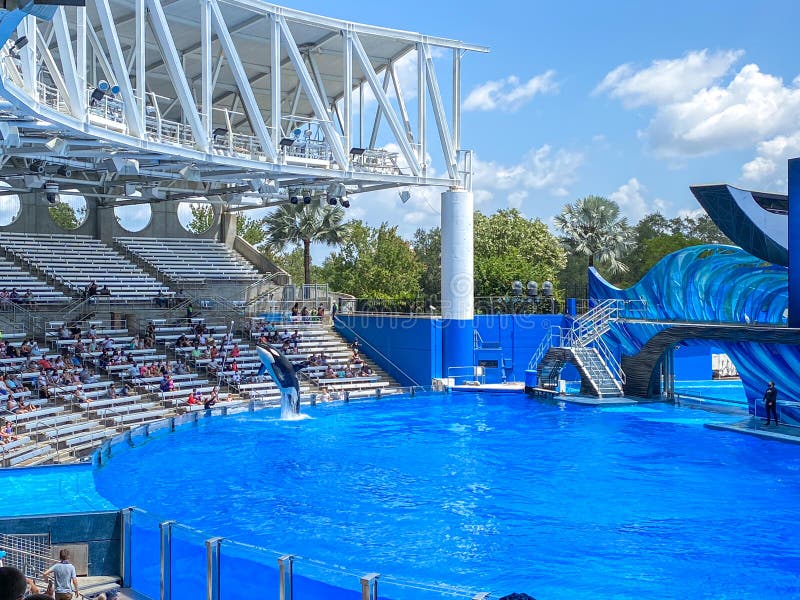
(100, 530)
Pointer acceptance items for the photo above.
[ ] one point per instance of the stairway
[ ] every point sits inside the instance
(583, 346)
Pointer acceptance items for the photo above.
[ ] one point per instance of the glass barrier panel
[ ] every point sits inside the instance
(316, 581)
(248, 572)
(188, 563)
(145, 554)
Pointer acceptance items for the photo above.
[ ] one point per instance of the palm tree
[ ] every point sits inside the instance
(303, 224)
(593, 226)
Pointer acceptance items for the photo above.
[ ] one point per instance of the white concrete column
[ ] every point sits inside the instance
(457, 280)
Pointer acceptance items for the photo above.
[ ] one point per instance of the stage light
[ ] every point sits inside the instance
(332, 200)
(405, 196)
(532, 289)
(294, 199)
(115, 89)
(286, 142)
(21, 42)
(37, 166)
(307, 199)
(344, 202)
(64, 171)
(51, 192)
(357, 151)
(219, 132)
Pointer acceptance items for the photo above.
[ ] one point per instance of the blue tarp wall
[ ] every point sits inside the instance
(410, 348)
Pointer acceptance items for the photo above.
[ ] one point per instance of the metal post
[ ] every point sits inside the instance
(369, 586)
(126, 518)
(212, 568)
(285, 571)
(166, 559)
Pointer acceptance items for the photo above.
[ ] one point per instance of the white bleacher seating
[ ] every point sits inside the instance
(76, 260)
(14, 277)
(187, 259)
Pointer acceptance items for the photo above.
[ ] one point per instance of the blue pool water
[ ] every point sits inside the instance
(488, 493)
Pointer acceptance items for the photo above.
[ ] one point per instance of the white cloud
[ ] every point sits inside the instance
(769, 165)
(541, 169)
(753, 107)
(701, 110)
(510, 94)
(632, 202)
(666, 81)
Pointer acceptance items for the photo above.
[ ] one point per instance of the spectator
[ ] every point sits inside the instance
(193, 399)
(7, 432)
(12, 583)
(104, 291)
(212, 398)
(91, 289)
(304, 314)
(160, 300)
(65, 577)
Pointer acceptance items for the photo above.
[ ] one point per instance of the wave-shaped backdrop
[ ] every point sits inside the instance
(714, 284)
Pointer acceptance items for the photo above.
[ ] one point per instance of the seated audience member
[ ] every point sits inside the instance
(323, 395)
(329, 373)
(91, 289)
(7, 432)
(104, 291)
(365, 370)
(127, 389)
(193, 397)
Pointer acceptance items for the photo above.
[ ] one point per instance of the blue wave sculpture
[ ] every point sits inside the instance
(722, 284)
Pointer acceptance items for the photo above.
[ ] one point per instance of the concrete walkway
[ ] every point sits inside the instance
(755, 426)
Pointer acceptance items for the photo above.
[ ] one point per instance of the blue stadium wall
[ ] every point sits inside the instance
(414, 345)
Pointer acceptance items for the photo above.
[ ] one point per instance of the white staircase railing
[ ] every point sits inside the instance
(587, 332)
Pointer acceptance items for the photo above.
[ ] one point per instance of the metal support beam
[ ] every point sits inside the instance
(347, 101)
(311, 93)
(80, 46)
(388, 110)
(158, 22)
(440, 116)
(373, 138)
(422, 104)
(76, 96)
(401, 102)
(245, 91)
(139, 54)
(457, 98)
(207, 84)
(28, 54)
(275, 78)
(132, 115)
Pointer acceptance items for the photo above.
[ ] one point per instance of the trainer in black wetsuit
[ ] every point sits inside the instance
(771, 402)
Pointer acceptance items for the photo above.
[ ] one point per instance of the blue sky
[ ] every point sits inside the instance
(631, 100)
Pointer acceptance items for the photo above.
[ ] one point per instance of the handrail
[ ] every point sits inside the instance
(381, 354)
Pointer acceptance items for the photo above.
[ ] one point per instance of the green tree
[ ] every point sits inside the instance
(593, 226)
(291, 261)
(374, 263)
(67, 217)
(427, 244)
(251, 230)
(509, 247)
(202, 217)
(655, 236)
(300, 224)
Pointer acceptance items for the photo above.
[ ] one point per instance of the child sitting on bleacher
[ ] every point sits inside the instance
(7, 433)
